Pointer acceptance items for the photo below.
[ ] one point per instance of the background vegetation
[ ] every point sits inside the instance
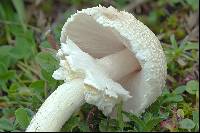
(29, 35)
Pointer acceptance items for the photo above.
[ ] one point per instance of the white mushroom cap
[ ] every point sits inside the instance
(101, 31)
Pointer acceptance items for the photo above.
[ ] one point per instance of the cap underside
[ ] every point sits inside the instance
(101, 31)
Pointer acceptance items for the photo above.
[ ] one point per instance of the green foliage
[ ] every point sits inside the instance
(120, 3)
(179, 57)
(146, 124)
(109, 126)
(187, 124)
(38, 87)
(5, 125)
(6, 59)
(195, 115)
(47, 62)
(193, 3)
(19, 6)
(120, 116)
(71, 124)
(22, 117)
(192, 87)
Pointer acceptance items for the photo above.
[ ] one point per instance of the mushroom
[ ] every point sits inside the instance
(106, 56)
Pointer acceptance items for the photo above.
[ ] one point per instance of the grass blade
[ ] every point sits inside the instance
(19, 6)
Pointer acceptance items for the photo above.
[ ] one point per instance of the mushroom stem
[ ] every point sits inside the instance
(68, 97)
(58, 107)
(119, 64)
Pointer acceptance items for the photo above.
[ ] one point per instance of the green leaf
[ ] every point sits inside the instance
(120, 116)
(190, 46)
(6, 11)
(173, 98)
(7, 75)
(173, 2)
(172, 22)
(193, 3)
(6, 14)
(152, 123)
(165, 91)
(173, 41)
(153, 17)
(3, 86)
(187, 124)
(103, 126)
(22, 117)
(83, 127)
(71, 124)
(5, 57)
(17, 30)
(24, 91)
(22, 49)
(192, 87)
(147, 117)
(140, 124)
(48, 78)
(155, 107)
(19, 6)
(12, 92)
(109, 126)
(120, 3)
(179, 90)
(164, 115)
(7, 112)
(38, 87)
(4, 50)
(2, 12)
(3, 68)
(4, 61)
(47, 62)
(6, 125)
(195, 115)
(45, 44)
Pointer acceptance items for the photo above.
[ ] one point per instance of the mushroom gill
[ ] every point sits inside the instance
(105, 44)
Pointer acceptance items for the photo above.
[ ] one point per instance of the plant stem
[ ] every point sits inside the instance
(45, 90)
(14, 23)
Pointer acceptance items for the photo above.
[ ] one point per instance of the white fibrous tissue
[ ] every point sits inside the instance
(100, 90)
